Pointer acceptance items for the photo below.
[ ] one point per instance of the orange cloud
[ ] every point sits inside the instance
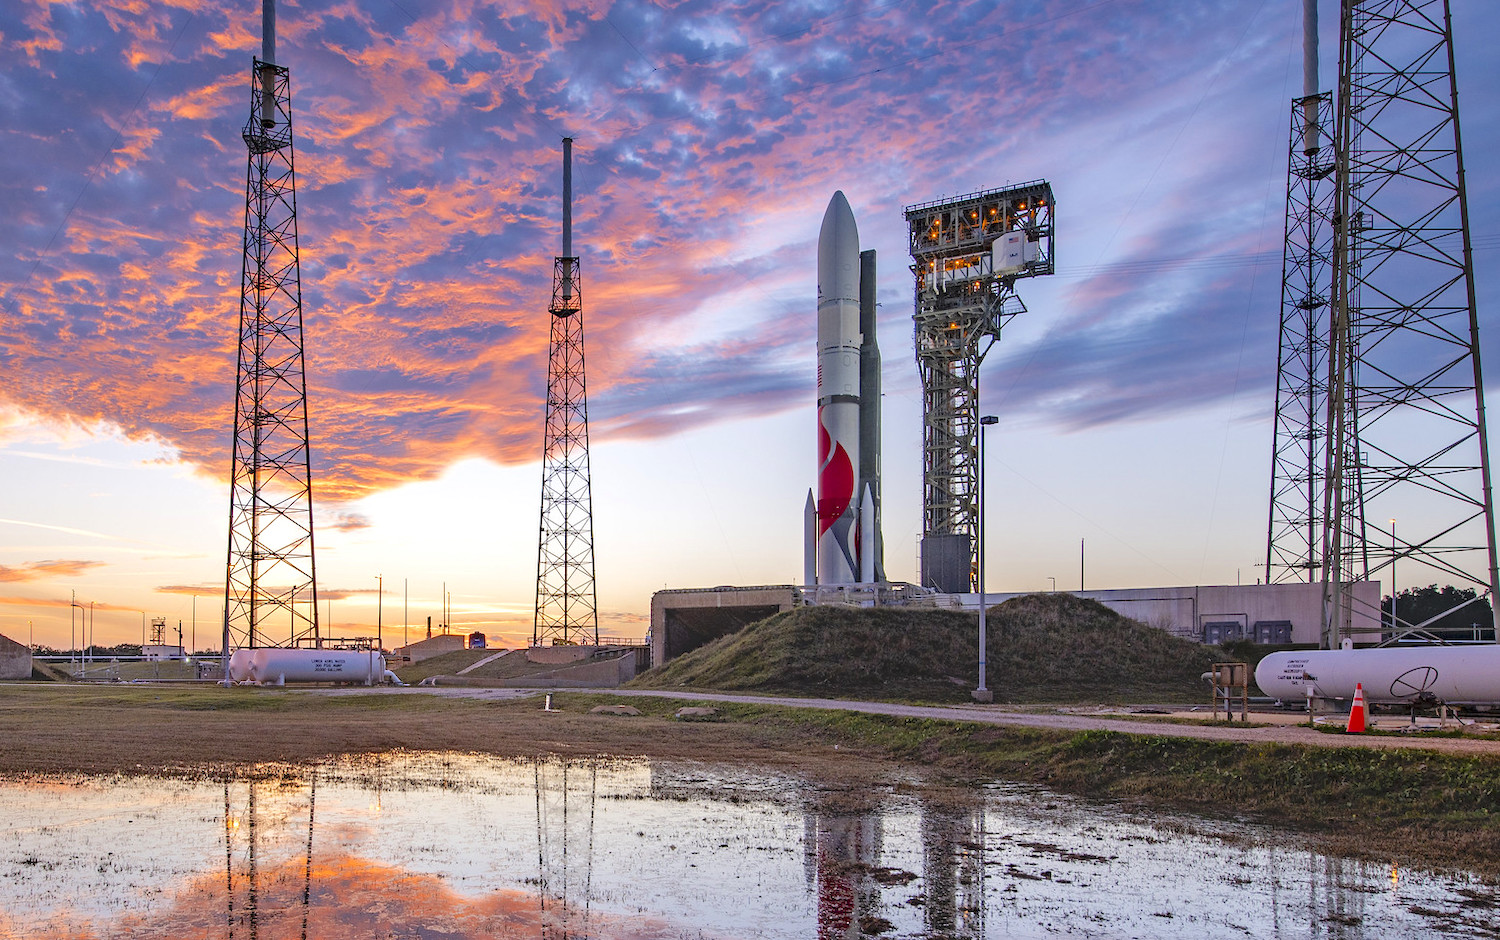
(42, 570)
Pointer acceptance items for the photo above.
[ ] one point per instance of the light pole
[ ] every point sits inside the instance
(982, 694)
(1393, 578)
(1054, 583)
(72, 630)
(379, 609)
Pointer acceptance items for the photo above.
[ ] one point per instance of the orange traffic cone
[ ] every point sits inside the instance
(1357, 711)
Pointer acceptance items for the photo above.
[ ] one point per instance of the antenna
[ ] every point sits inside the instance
(270, 593)
(566, 607)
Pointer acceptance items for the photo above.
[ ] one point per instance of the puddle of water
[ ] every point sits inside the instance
(463, 846)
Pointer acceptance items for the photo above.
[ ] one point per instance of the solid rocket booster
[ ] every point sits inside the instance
(839, 341)
(871, 540)
(810, 541)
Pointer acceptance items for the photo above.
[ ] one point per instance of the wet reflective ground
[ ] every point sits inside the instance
(462, 846)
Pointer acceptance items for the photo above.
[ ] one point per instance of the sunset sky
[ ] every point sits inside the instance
(1135, 396)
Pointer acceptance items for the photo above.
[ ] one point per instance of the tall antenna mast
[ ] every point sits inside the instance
(566, 607)
(1299, 455)
(270, 594)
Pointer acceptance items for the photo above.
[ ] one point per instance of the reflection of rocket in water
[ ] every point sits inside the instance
(841, 854)
(846, 539)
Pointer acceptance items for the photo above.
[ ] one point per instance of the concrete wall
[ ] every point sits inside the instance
(434, 646)
(559, 654)
(1183, 611)
(685, 619)
(15, 659)
(599, 673)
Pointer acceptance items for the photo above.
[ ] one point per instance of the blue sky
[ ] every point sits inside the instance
(1134, 396)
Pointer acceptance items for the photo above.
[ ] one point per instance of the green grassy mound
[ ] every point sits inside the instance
(1042, 648)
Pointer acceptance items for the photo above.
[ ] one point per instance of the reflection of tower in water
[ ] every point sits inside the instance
(245, 907)
(841, 854)
(565, 797)
(953, 869)
(1339, 913)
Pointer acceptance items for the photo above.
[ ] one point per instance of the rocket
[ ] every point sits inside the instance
(842, 543)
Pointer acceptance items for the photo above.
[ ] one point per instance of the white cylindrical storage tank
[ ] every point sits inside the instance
(1455, 675)
(239, 665)
(279, 666)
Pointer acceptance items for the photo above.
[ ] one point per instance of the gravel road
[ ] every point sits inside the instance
(1003, 715)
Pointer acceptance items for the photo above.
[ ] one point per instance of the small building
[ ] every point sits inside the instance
(15, 659)
(476, 641)
(162, 652)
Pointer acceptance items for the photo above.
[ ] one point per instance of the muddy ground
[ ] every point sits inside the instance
(53, 729)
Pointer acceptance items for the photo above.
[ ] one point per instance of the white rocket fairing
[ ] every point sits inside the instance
(847, 541)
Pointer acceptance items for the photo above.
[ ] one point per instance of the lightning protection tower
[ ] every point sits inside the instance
(967, 255)
(270, 595)
(1298, 459)
(1406, 420)
(566, 609)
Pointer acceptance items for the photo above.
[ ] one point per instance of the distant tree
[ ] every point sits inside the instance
(108, 652)
(1418, 605)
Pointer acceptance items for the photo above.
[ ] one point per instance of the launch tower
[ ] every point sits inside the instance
(967, 255)
(566, 609)
(270, 595)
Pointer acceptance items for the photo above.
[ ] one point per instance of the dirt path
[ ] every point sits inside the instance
(1003, 715)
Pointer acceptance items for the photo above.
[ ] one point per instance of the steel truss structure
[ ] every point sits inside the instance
(566, 606)
(1407, 437)
(1298, 460)
(965, 294)
(271, 594)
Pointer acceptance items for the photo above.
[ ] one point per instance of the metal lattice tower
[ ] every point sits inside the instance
(1295, 533)
(566, 608)
(1406, 404)
(271, 590)
(966, 255)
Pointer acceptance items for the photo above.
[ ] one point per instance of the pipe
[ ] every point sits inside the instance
(268, 64)
(567, 241)
(1310, 85)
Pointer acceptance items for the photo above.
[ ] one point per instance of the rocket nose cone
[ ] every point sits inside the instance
(838, 252)
(839, 218)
